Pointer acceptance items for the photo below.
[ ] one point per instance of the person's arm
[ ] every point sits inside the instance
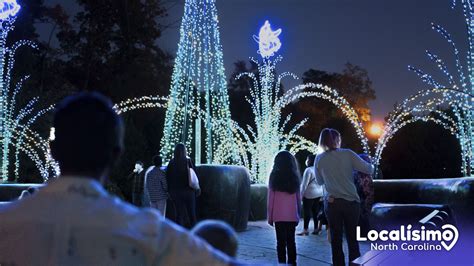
(360, 165)
(271, 198)
(317, 174)
(163, 182)
(142, 181)
(147, 181)
(169, 174)
(298, 199)
(306, 178)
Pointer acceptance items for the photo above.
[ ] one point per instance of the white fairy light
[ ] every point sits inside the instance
(15, 132)
(258, 145)
(198, 86)
(430, 106)
(459, 99)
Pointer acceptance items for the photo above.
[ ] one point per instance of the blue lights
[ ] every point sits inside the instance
(8, 8)
(268, 41)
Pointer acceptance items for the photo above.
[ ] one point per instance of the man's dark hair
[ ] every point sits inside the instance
(88, 133)
(157, 160)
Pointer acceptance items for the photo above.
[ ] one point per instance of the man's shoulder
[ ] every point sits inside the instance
(320, 156)
(131, 212)
(345, 151)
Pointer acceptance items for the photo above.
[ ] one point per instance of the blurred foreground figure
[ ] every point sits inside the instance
(219, 235)
(73, 221)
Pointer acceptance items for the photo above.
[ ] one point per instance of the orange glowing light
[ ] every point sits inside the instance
(376, 129)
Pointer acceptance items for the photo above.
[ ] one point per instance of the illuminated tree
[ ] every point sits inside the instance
(15, 123)
(461, 86)
(198, 87)
(429, 106)
(257, 145)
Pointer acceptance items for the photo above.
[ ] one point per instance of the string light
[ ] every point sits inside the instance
(141, 103)
(430, 106)
(15, 132)
(258, 145)
(457, 96)
(198, 85)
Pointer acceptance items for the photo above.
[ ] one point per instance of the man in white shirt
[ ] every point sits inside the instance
(74, 221)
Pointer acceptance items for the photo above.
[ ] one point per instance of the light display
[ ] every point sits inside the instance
(430, 106)
(268, 41)
(198, 87)
(273, 132)
(457, 95)
(38, 149)
(8, 9)
(140, 103)
(15, 132)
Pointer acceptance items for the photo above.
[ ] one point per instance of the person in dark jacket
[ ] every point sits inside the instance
(138, 190)
(155, 183)
(183, 197)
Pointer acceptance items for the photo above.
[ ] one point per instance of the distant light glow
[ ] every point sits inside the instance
(8, 8)
(268, 41)
(376, 129)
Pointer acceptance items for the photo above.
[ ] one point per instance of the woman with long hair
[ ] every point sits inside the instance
(284, 204)
(182, 195)
(334, 169)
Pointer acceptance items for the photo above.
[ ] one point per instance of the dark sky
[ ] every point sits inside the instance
(379, 35)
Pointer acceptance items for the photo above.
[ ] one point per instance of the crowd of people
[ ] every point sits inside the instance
(74, 220)
(176, 183)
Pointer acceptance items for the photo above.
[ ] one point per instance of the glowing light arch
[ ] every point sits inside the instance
(431, 105)
(458, 80)
(143, 102)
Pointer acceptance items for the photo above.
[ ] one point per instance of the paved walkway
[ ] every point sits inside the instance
(258, 245)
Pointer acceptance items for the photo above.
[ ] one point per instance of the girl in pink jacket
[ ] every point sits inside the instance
(284, 204)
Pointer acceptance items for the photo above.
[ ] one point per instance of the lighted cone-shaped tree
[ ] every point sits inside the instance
(198, 87)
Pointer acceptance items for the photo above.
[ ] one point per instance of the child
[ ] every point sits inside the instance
(156, 186)
(284, 204)
(219, 235)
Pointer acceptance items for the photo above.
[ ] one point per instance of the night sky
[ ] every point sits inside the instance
(380, 36)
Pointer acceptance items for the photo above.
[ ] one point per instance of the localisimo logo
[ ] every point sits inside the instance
(407, 238)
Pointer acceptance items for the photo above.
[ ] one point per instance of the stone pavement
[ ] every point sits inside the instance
(258, 245)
